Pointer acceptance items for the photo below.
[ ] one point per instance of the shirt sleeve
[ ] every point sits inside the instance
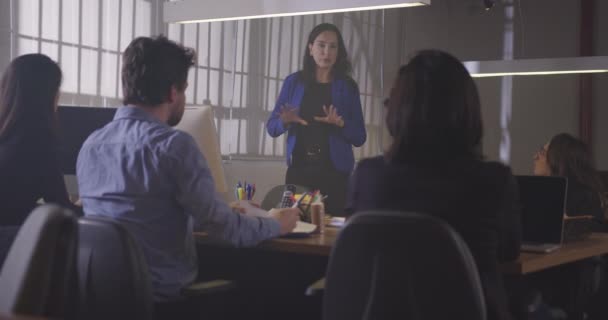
(274, 125)
(196, 194)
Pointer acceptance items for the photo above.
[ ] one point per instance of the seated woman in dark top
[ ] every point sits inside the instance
(434, 166)
(569, 157)
(569, 286)
(29, 169)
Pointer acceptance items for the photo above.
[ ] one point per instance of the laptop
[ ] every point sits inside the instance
(543, 201)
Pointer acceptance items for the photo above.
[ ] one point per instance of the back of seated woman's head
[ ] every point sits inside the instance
(569, 157)
(28, 96)
(434, 113)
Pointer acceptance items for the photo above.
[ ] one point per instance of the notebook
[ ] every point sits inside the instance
(543, 201)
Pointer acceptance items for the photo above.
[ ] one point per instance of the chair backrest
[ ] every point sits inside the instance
(273, 197)
(112, 273)
(397, 265)
(38, 275)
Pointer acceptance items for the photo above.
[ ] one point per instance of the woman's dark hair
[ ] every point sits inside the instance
(28, 92)
(341, 68)
(434, 112)
(151, 66)
(569, 157)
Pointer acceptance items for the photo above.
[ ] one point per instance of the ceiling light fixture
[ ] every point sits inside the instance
(194, 11)
(526, 67)
(488, 4)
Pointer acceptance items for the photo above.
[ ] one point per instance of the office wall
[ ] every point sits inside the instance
(265, 174)
(5, 38)
(539, 107)
(600, 90)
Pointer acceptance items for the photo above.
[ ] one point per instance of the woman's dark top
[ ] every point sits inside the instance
(312, 145)
(478, 199)
(29, 171)
(584, 201)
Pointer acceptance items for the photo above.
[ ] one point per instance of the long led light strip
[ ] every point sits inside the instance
(526, 67)
(195, 11)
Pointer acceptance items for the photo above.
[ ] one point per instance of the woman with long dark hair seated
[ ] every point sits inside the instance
(435, 166)
(569, 157)
(29, 168)
(570, 287)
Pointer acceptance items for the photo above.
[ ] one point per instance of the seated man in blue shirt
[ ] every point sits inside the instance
(154, 180)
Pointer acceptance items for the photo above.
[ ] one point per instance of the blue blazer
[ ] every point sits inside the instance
(345, 98)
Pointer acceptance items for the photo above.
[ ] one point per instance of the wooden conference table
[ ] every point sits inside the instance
(321, 244)
(20, 317)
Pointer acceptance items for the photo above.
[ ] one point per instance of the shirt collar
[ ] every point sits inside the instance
(133, 112)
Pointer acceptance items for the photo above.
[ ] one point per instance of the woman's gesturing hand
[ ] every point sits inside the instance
(289, 114)
(331, 116)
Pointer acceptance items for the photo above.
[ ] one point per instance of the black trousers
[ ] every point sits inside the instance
(568, 286)
(326, 179)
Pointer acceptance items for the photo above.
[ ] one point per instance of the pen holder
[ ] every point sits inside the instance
(317, 216)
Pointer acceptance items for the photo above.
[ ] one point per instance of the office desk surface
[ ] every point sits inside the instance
(16, 317)
(596, 244)
(316, 244)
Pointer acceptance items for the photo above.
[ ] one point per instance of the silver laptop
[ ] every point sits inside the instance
(543, 201)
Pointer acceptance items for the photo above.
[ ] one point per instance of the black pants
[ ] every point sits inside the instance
(566, 286)
(328, 180)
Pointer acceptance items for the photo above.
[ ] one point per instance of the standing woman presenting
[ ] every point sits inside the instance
(320, 109)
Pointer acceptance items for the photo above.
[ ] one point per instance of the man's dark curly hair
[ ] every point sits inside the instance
(151, 66)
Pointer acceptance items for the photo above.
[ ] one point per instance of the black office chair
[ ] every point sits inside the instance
(7, 237)
(393, 265)
(272, 199)
(38, 275)
(113, 275)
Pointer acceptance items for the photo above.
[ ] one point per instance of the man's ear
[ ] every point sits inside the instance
(173, 92)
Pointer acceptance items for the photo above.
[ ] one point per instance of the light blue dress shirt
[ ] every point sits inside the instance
(154, 180)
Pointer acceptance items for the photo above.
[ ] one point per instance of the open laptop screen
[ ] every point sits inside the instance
(543, 202)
